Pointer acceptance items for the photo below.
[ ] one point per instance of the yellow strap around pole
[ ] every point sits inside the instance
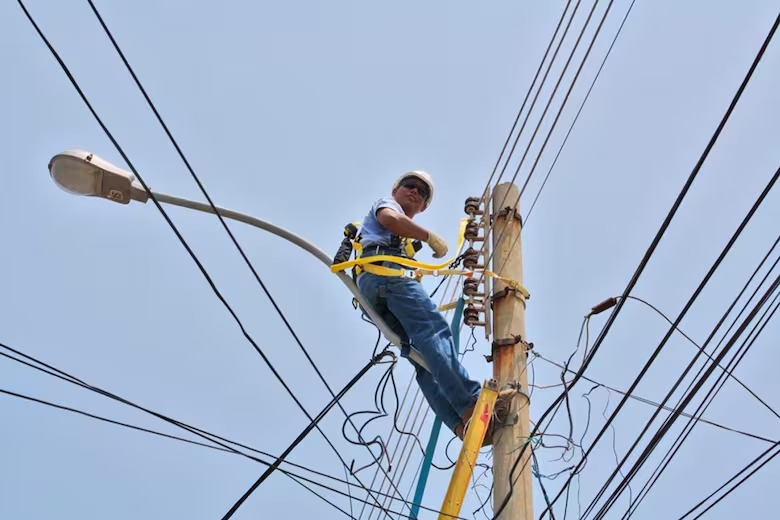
(407, 262)
(419, 269)
(419, 273)
(511, 283)
(472, 442)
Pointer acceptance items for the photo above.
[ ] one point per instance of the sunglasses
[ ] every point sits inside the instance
(421, 187)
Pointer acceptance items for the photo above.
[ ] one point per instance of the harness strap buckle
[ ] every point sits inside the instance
(410, 273)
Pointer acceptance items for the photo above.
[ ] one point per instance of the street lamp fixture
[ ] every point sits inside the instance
(83, 173)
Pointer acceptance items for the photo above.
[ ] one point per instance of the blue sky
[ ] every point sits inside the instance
(303, 114)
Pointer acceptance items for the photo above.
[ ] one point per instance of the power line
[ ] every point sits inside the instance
(173, 227)
(218, 447)
(653, 443)
(716, 264)
(196, 431)
(705, 353)
(704, 405)
(577, 115)
(216, 212)
(216, 439)
(651, 250)
(557, 116)
(656, 404)
(536, 96)
(161, 434)
(313, 424)
(488, 196)
(736, 476)
(159, 206)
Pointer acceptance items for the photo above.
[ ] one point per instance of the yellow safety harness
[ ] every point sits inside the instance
(415, 270)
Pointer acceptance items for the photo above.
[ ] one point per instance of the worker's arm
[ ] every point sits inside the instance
(401, 225)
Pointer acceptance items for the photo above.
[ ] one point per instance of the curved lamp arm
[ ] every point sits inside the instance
(303, 244)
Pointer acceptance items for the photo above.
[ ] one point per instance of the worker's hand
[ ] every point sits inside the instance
(438, 245)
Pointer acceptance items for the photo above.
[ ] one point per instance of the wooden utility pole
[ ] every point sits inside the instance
(510, 358)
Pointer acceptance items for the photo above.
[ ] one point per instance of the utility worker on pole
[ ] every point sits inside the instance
(409, 311)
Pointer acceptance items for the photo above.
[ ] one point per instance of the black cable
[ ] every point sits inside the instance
(289, 473)
(577, 115)
(378, 413)
(361, 440)
(211, 203)
(703, 406)
(205, 194)
(49, 370)
(729, 374)
(162, 211)
(725, 371)
(530, 89)
(111, 421)
(452, 265)
(653, 443)
(584, 333)
(189, 250)
(658, 405)
(192, 429)
(754, 461)
(172, 437)
(401, 432)
(303, 435)
(310, 490)
(565, 97)
(70, 379)
(541, 85)
(651, 249)
(382, 390)
(676, 323)
(484, 502)
(547, 107)
(535, 470)
(614, 447)
(533, 104)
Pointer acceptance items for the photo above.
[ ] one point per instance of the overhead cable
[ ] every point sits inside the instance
(651, 249)
(704, 405)
(214, 208)
(653, 443)
(705, 280)
(576, 117)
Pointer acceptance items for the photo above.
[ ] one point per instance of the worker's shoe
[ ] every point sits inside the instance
(500, 414)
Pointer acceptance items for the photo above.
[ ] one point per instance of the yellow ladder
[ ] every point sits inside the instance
(472, 442)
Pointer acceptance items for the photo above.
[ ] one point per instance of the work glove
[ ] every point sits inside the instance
(438, 245)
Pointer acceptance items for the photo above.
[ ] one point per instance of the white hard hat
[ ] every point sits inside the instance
(418, 174)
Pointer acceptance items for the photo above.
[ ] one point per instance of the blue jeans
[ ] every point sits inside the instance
(407, 309)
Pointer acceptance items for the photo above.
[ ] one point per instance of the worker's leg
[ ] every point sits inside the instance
(373, 288)
(431, 336)
(436, 399)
